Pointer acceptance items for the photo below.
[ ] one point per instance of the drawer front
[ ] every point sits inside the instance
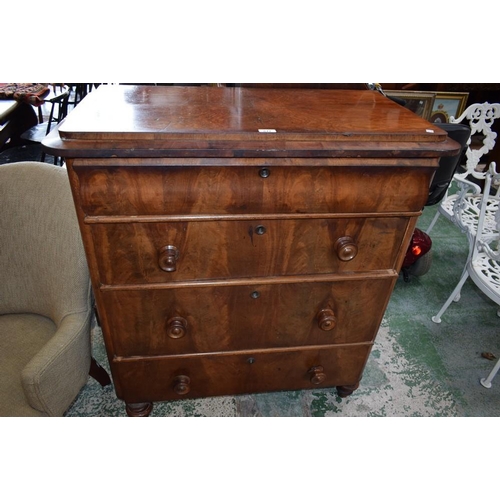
(231, 318)
(172, 190)
(165, 252)
(161, 379)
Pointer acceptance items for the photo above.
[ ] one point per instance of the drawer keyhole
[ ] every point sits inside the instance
(260, 230)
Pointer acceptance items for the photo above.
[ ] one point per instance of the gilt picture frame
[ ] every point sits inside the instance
(447, 105)
(421, 103)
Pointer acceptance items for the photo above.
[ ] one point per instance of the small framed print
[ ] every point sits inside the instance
(421, 103)
(447, 105)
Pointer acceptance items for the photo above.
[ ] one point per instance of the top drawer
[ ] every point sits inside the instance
(174, 189)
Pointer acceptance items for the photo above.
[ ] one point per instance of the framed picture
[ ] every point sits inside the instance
(421, 103)
(448, 104)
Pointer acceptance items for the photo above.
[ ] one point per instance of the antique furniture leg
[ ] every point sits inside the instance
(98, 321)
(98, 373)
(139, 409)
(346, 390)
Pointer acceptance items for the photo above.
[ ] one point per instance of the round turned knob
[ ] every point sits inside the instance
(317, 375)
(346, 248)
(176, 327)
(327, 319)
(264, 173)
(167, 258)
(181, 384)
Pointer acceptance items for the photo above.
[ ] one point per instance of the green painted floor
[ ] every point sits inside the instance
(416, 368)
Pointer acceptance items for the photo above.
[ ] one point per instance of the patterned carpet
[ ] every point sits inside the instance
(416, 368)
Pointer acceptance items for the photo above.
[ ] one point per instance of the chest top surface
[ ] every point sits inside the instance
(122, 118)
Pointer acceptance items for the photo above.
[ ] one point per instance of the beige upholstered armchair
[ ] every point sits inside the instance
(45, 294)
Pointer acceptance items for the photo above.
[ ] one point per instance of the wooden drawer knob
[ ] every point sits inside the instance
(318, 376)
(346, 248)
(327, 320)
(176, 327)
(167, 258)
(181, 384)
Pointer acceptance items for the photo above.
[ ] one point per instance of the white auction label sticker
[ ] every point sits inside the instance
(267, 130)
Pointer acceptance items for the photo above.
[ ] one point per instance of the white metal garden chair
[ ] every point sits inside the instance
(495, 256)
(480, 118)
(483, 263)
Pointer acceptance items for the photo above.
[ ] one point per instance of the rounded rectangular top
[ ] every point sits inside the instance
(162, 118)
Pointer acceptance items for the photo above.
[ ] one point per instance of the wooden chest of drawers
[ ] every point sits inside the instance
(243, 240)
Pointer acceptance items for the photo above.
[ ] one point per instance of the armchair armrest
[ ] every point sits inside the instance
(53, 378)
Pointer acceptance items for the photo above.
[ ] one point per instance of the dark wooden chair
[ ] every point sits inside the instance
(57, 99)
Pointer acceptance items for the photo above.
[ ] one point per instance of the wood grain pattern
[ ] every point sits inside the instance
(124, 112)
(232, 318)
(144, 190)
(154, 378)
(134, 121)
(233, 249)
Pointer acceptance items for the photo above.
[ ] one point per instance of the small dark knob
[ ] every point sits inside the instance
(346, 248)
(318, 376)
(327, 319)
(167, 258)
(176, 327)
(181, 384)
(264, 173)
(260, 230)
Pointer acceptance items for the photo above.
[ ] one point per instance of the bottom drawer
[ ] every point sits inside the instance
(195, 376)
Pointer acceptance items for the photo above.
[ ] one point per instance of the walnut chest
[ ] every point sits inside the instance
(243, 240)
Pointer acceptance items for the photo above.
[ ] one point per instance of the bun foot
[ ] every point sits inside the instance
(139, 409)
(346, 390)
